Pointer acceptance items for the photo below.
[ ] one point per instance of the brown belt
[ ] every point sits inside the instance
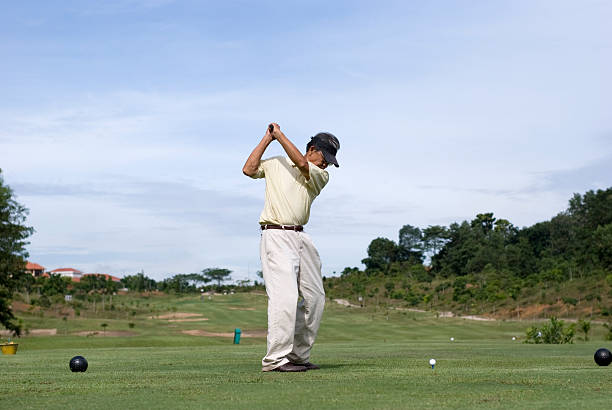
(297, 228)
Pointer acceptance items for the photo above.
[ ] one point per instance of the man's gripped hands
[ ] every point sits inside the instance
(273, 130)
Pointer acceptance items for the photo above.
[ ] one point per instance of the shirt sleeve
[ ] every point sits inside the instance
(261, 173)
(318, 178)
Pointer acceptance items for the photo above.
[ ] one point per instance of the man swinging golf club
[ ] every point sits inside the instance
(290, 263)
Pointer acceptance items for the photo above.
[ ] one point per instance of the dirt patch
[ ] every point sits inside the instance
(345, 302)
(176, 315)
(239, 308)
(534, 312)
(245, 333)
(200, 319)
(111, 333)
(56, 310)
(451, 314)
(18, 306)
(43, 332)
(482, 318)
(33, 332)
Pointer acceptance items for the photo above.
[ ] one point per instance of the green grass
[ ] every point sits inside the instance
(369, 359)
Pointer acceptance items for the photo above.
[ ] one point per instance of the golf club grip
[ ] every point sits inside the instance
(271, 128)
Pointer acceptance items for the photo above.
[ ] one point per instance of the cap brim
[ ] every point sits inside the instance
(330, 158)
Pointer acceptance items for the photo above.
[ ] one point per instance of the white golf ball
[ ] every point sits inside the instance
(432, 361)
(513, 338)
(452, 339)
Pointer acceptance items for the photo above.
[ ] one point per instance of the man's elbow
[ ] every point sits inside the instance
(248, 171)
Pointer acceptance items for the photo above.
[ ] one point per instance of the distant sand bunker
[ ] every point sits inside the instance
(33, 332)
(246, 333)
(239, 308)
(111, 333)
(176, 315)
(188, 320)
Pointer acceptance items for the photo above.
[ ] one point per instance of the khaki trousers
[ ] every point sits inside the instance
(291, 269)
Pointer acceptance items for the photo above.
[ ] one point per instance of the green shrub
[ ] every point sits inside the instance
(553, 332)
(44, 301)
(570, 301)
(585, 327)
(533, 335)
(398, 294)
(609, 327)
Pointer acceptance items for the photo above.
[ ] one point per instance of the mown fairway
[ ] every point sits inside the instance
(369, 359)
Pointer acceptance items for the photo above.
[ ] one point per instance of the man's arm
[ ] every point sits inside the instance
(294, 154)
(252, 163)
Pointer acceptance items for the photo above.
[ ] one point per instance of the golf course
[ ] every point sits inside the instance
(178, 352)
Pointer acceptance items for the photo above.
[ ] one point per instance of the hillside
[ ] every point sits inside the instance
(478, 295)
(488, 266)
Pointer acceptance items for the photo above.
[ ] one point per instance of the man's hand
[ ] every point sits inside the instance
(272, 128)
(294, 154)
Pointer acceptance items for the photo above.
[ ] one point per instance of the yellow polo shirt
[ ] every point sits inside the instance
(288, 194)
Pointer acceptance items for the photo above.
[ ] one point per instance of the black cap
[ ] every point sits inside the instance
(328, 144)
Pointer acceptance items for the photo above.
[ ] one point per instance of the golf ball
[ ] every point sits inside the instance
(452, 339)
(513, 338)
(432, 361)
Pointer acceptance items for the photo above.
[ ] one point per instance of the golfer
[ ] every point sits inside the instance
(290, 262)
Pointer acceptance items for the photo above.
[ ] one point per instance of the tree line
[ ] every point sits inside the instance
(14, 233)
(179, 283)
(486, 262)
(45, 290)
(575, 243)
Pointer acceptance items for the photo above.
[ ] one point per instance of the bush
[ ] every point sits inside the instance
(44, 301)
(570, 301)
(554, 332)
(412, 299)
(584, 326)
(534, 336)
(398, 294)
(609, 327)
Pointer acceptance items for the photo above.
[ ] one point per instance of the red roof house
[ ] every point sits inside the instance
(105, 275)
(34, 269)
(73, 274)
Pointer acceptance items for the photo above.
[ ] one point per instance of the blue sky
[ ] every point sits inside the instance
(124, 125)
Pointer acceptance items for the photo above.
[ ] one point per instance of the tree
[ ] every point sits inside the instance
(593, 209)
(410, 246)
(434, 238)
(484, 222)
(26, 284)
(217, 274)
(602, 245)
(139, 282)
(13, 235)
(381, 253)
(180, 283)
(462, 246)
(54, 285)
